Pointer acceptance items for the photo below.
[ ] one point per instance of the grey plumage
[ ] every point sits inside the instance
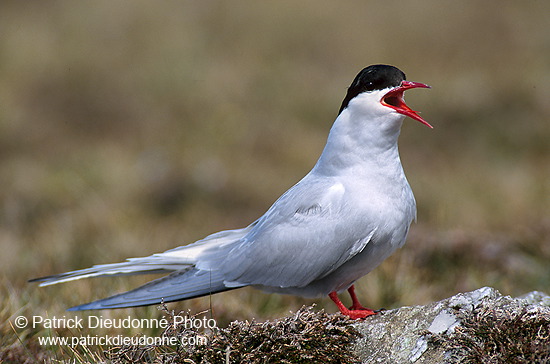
(347, 215)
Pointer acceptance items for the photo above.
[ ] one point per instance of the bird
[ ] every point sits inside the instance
(339, 222)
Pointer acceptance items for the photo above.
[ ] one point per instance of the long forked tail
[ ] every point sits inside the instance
(133, 266)
(192, 267)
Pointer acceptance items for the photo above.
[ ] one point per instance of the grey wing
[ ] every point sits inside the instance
(180, 285)
(309, 232)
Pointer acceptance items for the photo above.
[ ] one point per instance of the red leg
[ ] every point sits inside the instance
(353, 313)
(355, 301)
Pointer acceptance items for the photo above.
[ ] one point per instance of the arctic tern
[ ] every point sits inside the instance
(347, 215)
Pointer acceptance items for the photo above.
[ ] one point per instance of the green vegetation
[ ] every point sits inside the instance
(131, 128)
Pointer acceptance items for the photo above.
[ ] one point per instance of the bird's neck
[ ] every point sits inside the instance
(358, 146)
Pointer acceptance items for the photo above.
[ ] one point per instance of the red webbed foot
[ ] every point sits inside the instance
(356, 311)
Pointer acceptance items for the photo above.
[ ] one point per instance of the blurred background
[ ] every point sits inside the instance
(129, 128)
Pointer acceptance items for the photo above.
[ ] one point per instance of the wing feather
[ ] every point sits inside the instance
(283, 248)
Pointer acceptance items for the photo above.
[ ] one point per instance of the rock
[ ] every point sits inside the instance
(481, 326)
(478, 326)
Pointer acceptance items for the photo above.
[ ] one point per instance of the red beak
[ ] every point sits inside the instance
(394, 99)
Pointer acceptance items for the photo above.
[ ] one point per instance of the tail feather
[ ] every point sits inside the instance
(193, 273)
(207, 252)
(131, 267)
(180, 285)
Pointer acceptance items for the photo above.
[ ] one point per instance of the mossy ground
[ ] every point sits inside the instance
(307, 336)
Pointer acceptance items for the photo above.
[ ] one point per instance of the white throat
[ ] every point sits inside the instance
(364, 136)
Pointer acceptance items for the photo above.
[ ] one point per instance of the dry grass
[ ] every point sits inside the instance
(130, 128)
(492, 336)
(306, 336)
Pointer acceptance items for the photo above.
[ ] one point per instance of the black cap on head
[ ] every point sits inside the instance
(376, 77)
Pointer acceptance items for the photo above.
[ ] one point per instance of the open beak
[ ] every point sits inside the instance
(394, 99)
